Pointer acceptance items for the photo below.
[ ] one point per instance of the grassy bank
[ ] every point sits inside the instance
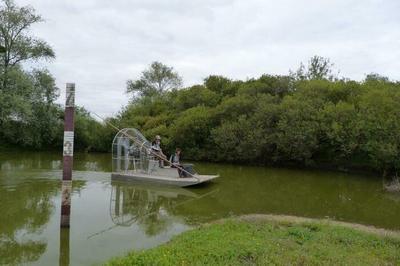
(273, 241)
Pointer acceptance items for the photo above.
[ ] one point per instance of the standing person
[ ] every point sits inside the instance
(175, 159)
(156, 148)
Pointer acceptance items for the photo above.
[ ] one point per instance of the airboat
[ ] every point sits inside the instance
(133, 159)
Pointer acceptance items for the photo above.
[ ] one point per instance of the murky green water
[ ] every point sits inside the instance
(108, 218)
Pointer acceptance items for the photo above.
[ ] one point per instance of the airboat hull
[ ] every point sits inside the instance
(134, 159)
(163, 180)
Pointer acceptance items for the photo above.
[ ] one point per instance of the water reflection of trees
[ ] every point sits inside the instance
(148, 207)
(26, 160)
(25, 209)
(26, 206)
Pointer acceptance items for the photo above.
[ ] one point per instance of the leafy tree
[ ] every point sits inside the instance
(155, 80)
(19, 45)
(46, 115)
(239, 140)
(45, 86)
(232, 108)
(220, 84)
(297, 136)
(195, 96)
(28, 116)
(379, 123)
(274, 85)
(191, 131)
(342, 135)
(318, 68)
(375, 77)
(91, 135)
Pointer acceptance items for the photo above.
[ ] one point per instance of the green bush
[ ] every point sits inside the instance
(278, 120)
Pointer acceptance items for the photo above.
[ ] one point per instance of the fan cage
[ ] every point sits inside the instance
(131, 152)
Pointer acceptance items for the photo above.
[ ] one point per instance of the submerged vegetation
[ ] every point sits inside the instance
(310, 117)
(263, 242)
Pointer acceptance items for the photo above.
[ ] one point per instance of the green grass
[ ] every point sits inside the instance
(270, 243)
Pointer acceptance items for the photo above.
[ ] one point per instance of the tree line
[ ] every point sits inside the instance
(309, 117)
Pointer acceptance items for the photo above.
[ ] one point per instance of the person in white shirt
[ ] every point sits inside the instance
(156, 148)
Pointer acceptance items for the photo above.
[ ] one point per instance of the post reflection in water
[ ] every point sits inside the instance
(64, 247)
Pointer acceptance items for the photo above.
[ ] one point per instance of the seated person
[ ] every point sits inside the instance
(156, 149)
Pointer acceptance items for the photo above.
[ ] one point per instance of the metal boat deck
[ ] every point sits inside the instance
(163, 176)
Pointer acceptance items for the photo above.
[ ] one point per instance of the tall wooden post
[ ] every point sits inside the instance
(68, 153)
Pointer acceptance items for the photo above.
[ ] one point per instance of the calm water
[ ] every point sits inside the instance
(109, 218)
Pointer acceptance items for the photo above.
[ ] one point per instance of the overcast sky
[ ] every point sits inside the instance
(100, 44)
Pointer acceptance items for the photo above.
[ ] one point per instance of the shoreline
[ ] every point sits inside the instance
(321, 166)
(390, 183)
(261, 239)
(301, 220)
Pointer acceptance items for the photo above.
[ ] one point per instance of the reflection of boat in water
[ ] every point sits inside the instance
(134, 160)
(151, 207)
(134, 203)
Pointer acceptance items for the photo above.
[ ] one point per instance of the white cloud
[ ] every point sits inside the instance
(100, 44)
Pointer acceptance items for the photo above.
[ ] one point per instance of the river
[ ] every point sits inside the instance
(109, 219)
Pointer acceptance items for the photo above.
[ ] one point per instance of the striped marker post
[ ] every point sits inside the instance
(68, 153)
